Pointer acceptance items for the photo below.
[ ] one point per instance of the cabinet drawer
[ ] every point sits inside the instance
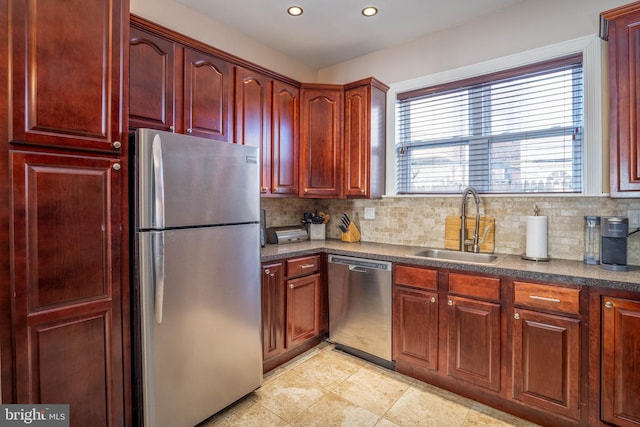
(566, 300)
(475, 286)
(416, 277)
(303, 266)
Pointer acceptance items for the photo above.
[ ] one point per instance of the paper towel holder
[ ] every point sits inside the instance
(536, 212)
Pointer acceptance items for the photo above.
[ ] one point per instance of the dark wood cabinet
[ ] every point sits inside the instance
(546, 361)
(321, 141)
(546, 348)
(364, 138)
(67, 285)
(152, 78)
(285, 140)
(621, 27)
(303, 303)
(474, 341)
(273, 309)
(66, 73)
(474, 330)
(415, 317)
(293, 308)
(620, 361)
(253, 117)
(178, 88)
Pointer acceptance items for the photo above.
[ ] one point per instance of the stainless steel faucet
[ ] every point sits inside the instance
(475, 247)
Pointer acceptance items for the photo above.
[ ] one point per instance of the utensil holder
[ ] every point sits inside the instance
(352, 234)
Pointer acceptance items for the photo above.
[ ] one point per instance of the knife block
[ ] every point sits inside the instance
(352, 234)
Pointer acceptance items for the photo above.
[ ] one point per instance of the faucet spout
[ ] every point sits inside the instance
(475, 247)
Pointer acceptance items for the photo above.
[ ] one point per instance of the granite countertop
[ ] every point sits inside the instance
(558, 270)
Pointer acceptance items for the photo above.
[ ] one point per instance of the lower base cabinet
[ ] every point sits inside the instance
(293, 308)
(620, 365)
(546, 362)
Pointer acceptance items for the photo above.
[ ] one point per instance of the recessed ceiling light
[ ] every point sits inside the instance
(369, 11)
(294, 11)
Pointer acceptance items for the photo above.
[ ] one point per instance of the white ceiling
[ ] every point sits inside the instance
(334, 31)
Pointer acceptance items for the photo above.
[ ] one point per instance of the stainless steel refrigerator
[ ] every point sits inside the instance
(197, 281)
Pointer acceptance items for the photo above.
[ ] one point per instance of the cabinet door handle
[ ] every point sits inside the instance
(608, 304)
(433, 299)
(189, 130)
(516, 316)
(263, 189)
(116, 166)
(172, 128)
(306, 190)
(116, 144)
(305, 266)
(537, 297)
(450, 302)
(291, 286)
(267, 271)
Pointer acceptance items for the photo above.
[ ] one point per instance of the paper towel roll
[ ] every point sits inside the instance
(537, 236)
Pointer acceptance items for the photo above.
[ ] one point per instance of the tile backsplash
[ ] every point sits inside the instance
(420, 221)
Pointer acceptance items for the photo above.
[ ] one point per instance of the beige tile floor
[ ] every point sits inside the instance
(326, 387)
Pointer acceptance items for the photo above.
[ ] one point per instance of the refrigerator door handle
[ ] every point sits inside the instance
(159, 274)
(158, 183)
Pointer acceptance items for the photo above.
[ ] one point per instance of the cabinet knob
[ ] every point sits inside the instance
(267, 271)
(263, 189)
(608, 304)
(172, 128)
(291, 285)
(450, 302)
(433, 299)
(189, 130)
(306, 190)
(116, 166)
(362, 191)
(116, 144)
(516, 316)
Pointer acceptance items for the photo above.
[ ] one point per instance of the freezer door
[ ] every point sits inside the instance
(200, 297)
(186, 181)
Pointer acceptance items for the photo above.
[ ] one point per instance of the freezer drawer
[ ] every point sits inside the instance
(360, 305)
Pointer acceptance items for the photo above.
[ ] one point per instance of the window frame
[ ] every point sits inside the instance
(591, 49)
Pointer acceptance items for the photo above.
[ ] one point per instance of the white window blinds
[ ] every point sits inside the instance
(511, 132)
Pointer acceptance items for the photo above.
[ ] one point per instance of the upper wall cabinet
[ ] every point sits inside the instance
(321, 145)
(364, 138)
(177, 88)
(51, 106)
(621, 27)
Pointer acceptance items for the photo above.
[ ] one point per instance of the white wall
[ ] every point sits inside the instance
(527, 25)
(189, 22)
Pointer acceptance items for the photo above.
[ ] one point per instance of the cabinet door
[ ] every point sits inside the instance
(66, 73)
(151, 81)
(303, 311)
(253, 117)
(474, 342)
(415, 327)
(207, 96)
(273, 310)
(285, 144)
(321, 143)
(66, 282)
(356, 141)
(624, 96)
(620, 357)
(546, 361)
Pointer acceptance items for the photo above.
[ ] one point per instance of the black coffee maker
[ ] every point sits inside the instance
(614, 231)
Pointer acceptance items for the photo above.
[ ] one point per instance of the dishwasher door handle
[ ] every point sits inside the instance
(357, 268)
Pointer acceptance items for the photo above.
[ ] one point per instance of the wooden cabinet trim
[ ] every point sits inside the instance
(475, 286)
(548, 297)
(416, 277)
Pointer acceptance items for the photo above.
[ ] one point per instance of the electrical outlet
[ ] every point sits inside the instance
(369, 213)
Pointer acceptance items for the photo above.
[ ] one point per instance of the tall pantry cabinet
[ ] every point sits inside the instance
(66, 339)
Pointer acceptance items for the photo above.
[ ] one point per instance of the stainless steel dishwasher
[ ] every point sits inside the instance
(360, 307)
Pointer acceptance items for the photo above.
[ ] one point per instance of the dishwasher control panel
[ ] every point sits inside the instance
(360, 262)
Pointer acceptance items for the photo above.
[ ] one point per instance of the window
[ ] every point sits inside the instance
(517, 131)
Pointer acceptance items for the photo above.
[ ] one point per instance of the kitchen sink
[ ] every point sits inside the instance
(457, 256)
